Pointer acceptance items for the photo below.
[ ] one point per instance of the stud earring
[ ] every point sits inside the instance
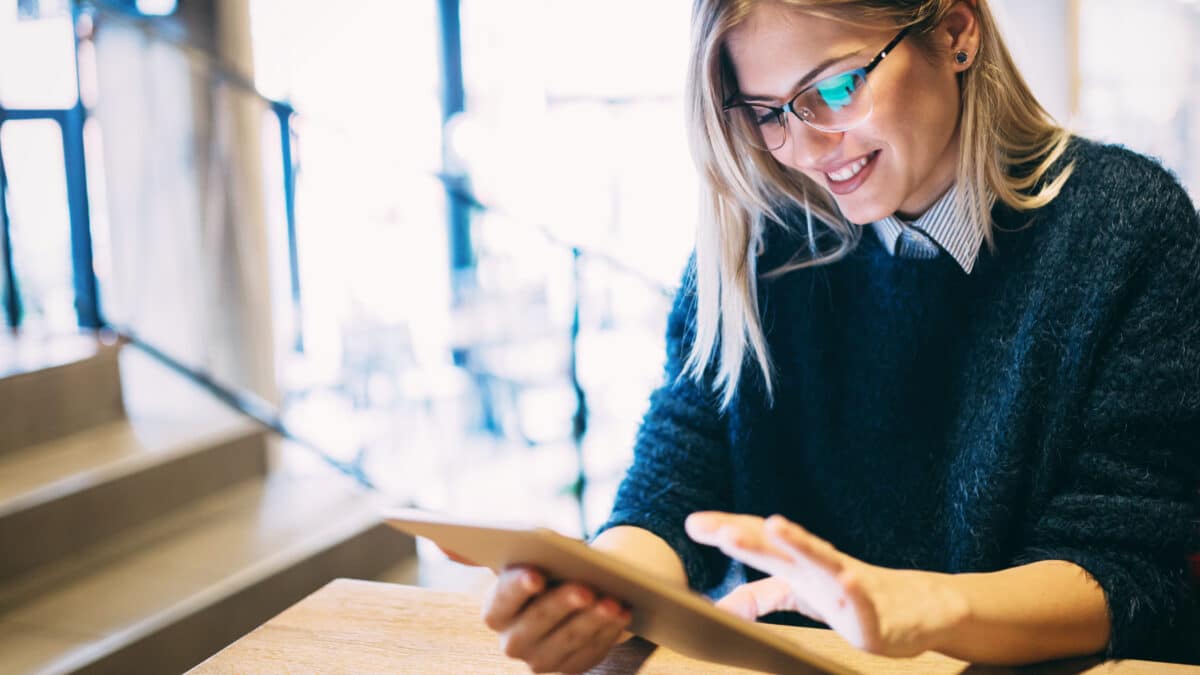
(961, 57)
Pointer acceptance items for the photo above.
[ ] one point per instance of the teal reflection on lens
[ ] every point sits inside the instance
(838, 91)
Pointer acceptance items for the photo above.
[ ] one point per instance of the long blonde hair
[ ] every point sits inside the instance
(744, 190)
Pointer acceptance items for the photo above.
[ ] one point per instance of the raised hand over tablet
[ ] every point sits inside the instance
(563, 628)
(884, 611)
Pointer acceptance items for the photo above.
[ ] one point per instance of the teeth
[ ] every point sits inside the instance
(848, 172)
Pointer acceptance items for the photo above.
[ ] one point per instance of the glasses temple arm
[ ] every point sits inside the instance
(887, 50)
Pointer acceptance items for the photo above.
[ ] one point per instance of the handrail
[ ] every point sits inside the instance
(154, 29)
(261, 411)
(454, 188)
(451, 182)
(244, 402)
(10, 297)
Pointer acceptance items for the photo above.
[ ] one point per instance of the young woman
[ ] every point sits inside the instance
(955, 349)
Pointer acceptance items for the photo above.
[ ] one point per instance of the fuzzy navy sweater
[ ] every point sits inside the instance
(1044, 407)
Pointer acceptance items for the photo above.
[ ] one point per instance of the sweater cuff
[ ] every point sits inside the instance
(705, 566)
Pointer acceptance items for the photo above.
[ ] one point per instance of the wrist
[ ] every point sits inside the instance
(947, 634)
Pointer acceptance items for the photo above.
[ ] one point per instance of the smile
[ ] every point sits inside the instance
(849, 172)
(847, 178)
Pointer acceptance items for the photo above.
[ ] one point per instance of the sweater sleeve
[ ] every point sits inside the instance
(1126, 509)
(681, 459)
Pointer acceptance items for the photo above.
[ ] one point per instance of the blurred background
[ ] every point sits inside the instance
(425, 249)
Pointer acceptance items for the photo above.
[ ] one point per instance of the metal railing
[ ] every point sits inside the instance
(70, 123)
(462, 203)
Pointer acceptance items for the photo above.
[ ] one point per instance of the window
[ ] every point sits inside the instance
(37, 57)
(1139, 79)
(39, 224)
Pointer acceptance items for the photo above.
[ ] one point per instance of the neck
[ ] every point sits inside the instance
(935, 184)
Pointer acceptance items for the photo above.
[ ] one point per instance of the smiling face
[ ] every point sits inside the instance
(905, 155)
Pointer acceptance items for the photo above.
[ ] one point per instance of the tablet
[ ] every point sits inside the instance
(674, 617)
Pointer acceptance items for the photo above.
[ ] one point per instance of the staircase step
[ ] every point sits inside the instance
(164, 596)
(176, 446)
(50, 388)
(58, 499)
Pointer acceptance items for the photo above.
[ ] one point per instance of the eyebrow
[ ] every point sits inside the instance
(804, 81)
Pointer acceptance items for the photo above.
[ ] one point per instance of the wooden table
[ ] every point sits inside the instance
(369, 627)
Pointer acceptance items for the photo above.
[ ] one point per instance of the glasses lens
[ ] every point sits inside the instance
(836, 103)
(759, 126)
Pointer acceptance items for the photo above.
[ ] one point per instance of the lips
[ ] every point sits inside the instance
(848, 171)
(847, 177)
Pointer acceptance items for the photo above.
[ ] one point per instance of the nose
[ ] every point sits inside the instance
(806, 147)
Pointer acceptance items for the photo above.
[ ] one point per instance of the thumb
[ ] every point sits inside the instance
(757, 598)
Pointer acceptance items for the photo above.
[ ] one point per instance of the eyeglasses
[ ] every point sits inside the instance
(836, 103)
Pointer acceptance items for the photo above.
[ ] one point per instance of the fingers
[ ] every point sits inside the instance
(764, 543)
(583, 640)
(863, 632)
(742, 538)
(552, 628)
(757, 598)
(593, 653)
(737, 535)
(525, 638)
(513, 588)
(707, 527)
(802, 543)
(773, 594)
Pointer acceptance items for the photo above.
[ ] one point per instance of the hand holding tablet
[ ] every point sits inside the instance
(663, 613)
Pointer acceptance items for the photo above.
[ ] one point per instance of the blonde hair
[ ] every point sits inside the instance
(744, 190)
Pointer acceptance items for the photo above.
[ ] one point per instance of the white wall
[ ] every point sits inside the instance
(1038, 34)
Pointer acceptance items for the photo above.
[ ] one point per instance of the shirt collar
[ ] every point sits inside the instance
(948, 222)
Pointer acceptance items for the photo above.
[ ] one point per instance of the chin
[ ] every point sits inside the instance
(863, 214)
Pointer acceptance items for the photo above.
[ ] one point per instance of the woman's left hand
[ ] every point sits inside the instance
(883, 611)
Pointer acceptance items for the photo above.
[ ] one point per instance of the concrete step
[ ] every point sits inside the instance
(59, 498)
(177, 445)
(164, 596)
(50, 388)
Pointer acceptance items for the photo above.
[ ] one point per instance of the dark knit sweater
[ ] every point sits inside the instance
(1045, 407)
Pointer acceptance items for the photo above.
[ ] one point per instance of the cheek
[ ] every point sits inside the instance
(785, 158)
(915, 121)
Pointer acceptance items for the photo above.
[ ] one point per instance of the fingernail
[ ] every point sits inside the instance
(529, 582)
(577, 598)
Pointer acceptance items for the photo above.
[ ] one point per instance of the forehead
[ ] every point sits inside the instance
(777, 45)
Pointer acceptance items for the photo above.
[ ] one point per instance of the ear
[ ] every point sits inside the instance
(959, 32)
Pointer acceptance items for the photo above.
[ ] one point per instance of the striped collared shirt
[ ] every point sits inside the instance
(947, 226)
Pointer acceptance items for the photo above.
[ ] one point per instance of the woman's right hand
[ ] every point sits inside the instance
(565, 628)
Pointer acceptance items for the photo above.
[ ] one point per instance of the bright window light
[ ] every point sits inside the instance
(156, 7)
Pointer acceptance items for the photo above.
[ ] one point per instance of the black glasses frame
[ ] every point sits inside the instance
(780, 112)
